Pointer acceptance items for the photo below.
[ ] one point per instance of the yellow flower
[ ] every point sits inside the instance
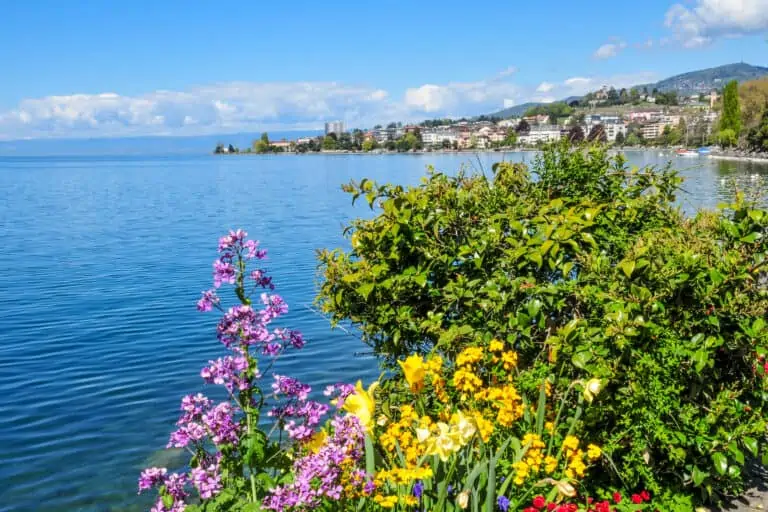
(549, 426)
(594, 452)
(592, 389)
(361, 404)
(484, 426)
(385, 501)
(550, 464)
(570, 444)
(414, 371)
(496, 346)
(316, 441)
(444, 443)
(469, 355)
(509, 359)
(462, 500)
(464, 426)
(434, 365)
(466, 380)
(409, 500)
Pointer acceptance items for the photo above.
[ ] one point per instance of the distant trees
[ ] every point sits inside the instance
(597, 134)
(262, 145)
(666, 98)
(757, 138)
(523, 127)
(576, 134)
(730, 117)
(446, 144)
(329, 142)
(620, 139)
(554, 110)
(511, 138)
(369, 145)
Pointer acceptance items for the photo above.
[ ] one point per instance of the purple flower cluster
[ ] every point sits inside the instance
(207, 479)
(229, 371)
(224, 426)
(173, 484)
(298, 414)
(321, 474)
(201, 420)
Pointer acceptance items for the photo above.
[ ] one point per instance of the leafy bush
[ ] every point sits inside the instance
(585, 268)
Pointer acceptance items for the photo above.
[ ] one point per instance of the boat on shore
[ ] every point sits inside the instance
(686, 152)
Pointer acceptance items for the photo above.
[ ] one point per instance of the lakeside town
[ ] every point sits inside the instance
(634, 117)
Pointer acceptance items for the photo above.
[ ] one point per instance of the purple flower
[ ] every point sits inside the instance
(418, 490)
(223, 272)
(232, 240)
(503, 503)
(252, 250)
(262, 280)
(150, 477)
(208, 300)
(228, 371)
(290, 387)
(207, 480)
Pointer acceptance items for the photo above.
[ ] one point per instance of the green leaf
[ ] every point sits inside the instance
(721, 462)
(365, 290)
(370, 461)
(698, 476)
(737, 454)
(535, 257)
(627, 266)
(750, 443)
(580, 359)
(715, 276)
(699, 360)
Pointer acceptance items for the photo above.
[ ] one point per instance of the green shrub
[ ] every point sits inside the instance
(588, 269)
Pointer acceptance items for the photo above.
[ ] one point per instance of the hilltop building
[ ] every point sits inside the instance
(336, 127)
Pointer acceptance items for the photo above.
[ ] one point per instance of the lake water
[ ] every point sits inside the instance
(101, 263)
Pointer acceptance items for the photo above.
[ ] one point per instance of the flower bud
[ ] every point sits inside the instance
(566, 489)
(462, 500)
(592, 389)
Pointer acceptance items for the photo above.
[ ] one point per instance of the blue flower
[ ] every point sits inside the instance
(418, 489)
(503, 503)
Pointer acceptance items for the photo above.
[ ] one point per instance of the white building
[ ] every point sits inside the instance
(336, 127)
(543, 133)
(432, 137)
(613, 129)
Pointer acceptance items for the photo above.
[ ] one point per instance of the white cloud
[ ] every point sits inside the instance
(545, 87)
(709, 19)
(609, 50)
(248, 106)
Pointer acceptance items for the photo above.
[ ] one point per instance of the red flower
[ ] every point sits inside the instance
(551, 507)
(590, 500)
(530, 509)
(645, 495)
(603, 506)
(636, 498)
(539, 502)
(617, 497)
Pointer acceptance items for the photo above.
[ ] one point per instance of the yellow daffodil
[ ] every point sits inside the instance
(422, 434)
(444, 443)
(465, 427)
(316, 441)
(592, 389)
(414, 371)
(361, 404)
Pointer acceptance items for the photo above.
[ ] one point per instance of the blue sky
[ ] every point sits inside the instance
(84, 69)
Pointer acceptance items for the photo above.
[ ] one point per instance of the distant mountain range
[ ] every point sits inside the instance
(693, 82)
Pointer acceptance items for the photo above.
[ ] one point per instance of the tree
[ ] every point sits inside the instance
(727, 138)
(671, 136)
(329, 143)
(390, 145)
(368, 145)
(511, 138)
(233, 149)
(523, 127)
(265, 138)
(576, 134)
(446, 144)
(357, 138)
(730, 118)
(634, 139)
(597, 134)
(758, 136)
(455, 144)
(219, 149)
(620, 139)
